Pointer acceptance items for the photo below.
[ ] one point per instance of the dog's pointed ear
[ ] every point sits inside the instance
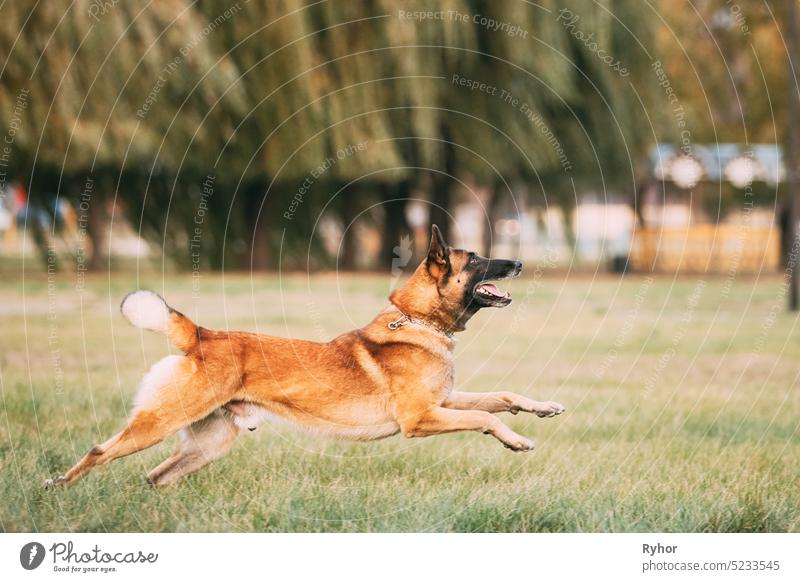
(439, 252)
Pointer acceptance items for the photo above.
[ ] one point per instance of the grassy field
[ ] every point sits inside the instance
(682, 412)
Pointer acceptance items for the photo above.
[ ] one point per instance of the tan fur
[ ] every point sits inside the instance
(366, 384)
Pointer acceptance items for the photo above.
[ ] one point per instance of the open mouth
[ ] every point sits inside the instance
(488, 294)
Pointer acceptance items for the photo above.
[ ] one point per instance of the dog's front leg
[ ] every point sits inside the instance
(501, 402)
(440, 420)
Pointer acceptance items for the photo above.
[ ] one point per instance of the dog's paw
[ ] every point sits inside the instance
(519, 443)
(53, 483)
(540, 409)
(548, 408)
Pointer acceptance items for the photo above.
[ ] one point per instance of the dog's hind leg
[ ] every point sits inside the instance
(174, 394)
(202, 442)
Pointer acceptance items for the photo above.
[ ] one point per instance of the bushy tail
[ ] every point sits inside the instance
(148, 310)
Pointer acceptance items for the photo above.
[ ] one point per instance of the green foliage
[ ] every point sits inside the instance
(260, 94)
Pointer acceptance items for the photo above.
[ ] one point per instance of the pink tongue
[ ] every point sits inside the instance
(492, 289)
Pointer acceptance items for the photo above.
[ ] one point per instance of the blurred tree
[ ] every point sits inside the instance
(561, 115)
(726, 62)
(272, 117)
(105, 90)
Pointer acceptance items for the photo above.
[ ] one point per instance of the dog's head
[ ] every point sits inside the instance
(451, 285)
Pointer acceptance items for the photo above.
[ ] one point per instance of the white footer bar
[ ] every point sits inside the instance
(401, 557)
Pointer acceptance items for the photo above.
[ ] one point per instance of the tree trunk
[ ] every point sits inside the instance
(443, 186)
(642, 182)
(259, 223)
(395, 200)
(784, 226)
(97, 220)
(349, 210)
(440, 206)
(492, 216)
(793, 154)
(568, 210)
(42, 242)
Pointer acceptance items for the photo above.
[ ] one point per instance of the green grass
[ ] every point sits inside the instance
(679, 417)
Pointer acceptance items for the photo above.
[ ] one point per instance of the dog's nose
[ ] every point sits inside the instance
(518, 266)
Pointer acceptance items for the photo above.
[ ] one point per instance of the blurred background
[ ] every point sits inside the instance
(257, 135)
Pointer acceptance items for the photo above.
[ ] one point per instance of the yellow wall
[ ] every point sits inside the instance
(705, 248)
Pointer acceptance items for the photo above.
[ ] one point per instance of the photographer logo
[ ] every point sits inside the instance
(31, 555)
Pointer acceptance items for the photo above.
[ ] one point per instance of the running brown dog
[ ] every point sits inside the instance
(393, 375)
